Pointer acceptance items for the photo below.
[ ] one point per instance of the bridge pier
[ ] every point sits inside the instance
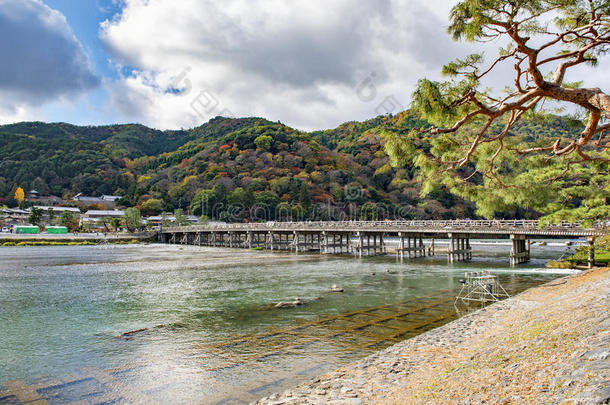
(334, 242)
(269, 241)
(414, 248)
(365, 249)
(257, 240)
(520, 249)
(459, 249)
(591, 255)
(306, 241)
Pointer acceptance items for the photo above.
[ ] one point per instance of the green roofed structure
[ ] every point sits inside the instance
(30, 229)
(57, 229)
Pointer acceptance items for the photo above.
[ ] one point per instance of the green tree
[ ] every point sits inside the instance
(471, 147)
(68, 220)
(115, 223)
(265, 203)
(51, 215)
(179, 218)
(203, 203)
(152, 206)
(35, 217)
(304, 197)
(132, 219)
(263, 142)
(104, 222)
(238, 197)
(165, 221)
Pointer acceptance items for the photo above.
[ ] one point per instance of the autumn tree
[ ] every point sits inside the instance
(19, 195)
(471, 146)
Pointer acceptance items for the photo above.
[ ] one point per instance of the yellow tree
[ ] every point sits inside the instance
(19, 195)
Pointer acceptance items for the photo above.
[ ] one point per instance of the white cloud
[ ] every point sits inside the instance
(311, 64)
(41, 59)
(298, 62)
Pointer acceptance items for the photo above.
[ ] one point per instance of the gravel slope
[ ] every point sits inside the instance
(548, 345)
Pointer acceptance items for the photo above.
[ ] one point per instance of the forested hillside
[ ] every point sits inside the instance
(234, 169)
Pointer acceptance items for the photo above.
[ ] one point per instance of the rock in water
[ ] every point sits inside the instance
(336, 288)
(131, 333)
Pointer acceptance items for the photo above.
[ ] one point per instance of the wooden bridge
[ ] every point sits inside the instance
(366, 238)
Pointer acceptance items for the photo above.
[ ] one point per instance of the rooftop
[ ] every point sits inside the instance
(105, 213)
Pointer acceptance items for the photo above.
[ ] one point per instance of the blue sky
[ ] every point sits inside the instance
(84, 18)
(175, 64)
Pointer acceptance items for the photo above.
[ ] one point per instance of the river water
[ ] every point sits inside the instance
(184, 324)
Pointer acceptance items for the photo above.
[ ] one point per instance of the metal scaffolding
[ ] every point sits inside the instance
(481, 286)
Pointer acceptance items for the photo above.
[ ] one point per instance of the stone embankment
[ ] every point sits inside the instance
(548, 345)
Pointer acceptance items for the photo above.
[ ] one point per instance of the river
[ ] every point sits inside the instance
(184, 324)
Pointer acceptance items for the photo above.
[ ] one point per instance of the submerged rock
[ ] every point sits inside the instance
(336, 288)
(297, 301)
(131, 333)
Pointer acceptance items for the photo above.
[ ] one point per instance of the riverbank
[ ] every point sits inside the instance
(74, 239)
(580, 257)
(550, 344)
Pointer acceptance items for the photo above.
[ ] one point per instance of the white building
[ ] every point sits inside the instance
(94, 215)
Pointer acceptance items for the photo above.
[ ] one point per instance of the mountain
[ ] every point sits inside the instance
(232, 168)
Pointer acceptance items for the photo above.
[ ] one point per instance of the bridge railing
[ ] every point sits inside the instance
(459, 224)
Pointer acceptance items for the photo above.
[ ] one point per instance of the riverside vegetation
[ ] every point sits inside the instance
(580, 256)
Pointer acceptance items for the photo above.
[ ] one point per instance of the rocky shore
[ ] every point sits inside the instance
(548, 345)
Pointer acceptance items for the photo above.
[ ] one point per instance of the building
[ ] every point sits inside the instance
(93, 215)
(104, 201)
(83, 199)
(58, 210)
(14, 215)
(157, 220)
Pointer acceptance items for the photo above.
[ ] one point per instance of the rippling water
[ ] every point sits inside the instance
(205, 329)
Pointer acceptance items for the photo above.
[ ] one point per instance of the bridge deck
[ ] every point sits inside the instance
(477, 228)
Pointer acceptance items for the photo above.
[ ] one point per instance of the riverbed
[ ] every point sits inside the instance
(184, 324)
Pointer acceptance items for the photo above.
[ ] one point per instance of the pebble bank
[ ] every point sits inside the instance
(547, 345)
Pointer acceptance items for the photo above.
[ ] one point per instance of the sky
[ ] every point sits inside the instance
(172, 64)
